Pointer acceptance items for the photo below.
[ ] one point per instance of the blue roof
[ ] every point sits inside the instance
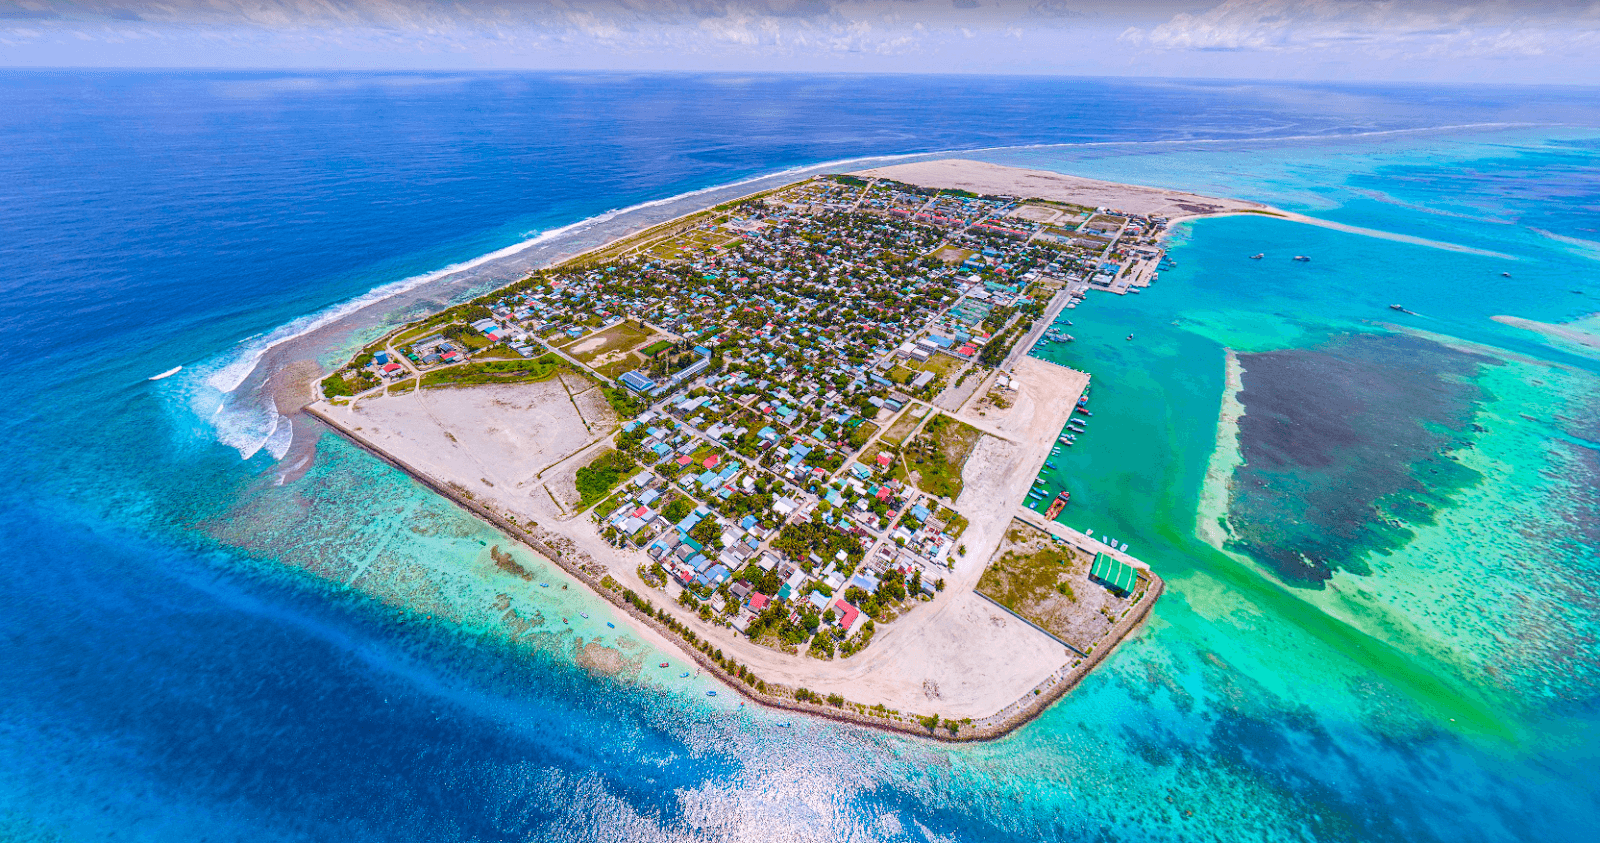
(747, 522)
(637, 381)
(920, 511)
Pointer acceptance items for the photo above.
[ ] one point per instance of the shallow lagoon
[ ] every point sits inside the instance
(204, 648)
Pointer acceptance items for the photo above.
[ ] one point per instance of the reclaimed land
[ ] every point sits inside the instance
(985, 456)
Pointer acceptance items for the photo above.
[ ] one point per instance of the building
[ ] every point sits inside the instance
(638, 382)
(1114, 574)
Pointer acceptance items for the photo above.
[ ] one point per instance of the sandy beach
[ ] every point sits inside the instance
(985, 178)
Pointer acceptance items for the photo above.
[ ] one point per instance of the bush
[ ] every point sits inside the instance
(598, 478)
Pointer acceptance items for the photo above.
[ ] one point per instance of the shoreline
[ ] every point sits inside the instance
(1037, 679)
(1019, 713)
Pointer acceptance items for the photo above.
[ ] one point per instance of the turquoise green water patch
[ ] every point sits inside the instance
(1497, 584)
(1345, 446)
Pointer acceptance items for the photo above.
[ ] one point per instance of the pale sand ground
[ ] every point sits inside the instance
(983, 177)
(957, 655)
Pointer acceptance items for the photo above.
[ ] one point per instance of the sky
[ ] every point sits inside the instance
(1500, 41)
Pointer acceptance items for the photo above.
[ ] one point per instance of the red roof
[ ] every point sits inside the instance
(847, 613)
(711, 461)
(685, 459)
(392, 367)
(883, 460)
(758, 601)
(883, 493)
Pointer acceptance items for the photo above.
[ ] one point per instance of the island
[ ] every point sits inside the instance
(798, 434)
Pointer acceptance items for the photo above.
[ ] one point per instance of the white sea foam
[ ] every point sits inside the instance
(167, 374)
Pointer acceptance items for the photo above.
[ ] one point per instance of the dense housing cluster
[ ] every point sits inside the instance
(780, 364)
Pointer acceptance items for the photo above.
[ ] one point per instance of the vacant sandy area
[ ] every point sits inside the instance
(983, 177)
(492, 441)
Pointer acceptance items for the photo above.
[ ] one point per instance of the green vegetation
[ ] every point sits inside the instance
(656, 348)
(1032, 575)
(939, 452)
(335, 385)
(599, 477)
(619, 337)
(624, 403)
(801, 539)
(494, 371)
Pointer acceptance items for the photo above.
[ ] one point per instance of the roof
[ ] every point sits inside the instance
(1113, 572)
(847, 614)
(758, 601)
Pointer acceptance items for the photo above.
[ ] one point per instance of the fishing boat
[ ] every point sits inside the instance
(1258, 256)
(610, 624)
(1084, 410)
(1130, 338)
(564, 620)
(684, 675)
(585, 614)
(663, 664)
(1302, 259)
(544, 585)
(711, 693)
(1049, 464)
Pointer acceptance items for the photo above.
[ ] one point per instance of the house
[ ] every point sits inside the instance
(848, 614)
(758, 601)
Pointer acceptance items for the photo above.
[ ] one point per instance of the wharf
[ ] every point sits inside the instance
(1077, 539)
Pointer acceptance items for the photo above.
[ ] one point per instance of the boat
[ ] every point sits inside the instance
(1258, 256)
(684, 675)
(1049, 464)
(711, 693)
(564, 620)
(167, 374)
(1399, 307)
(1302, 259)
(544, 585)
(1084, 410)
(1130, 337)
(585, 614)
(663, 664)
(1058, 504)
(610, 624)
(1502, 275)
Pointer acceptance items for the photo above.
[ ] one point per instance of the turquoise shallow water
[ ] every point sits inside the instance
(312, 647)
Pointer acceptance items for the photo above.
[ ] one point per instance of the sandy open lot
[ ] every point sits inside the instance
(983, 177)
(492, 441)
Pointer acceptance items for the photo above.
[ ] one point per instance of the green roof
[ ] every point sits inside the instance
(1115, 573)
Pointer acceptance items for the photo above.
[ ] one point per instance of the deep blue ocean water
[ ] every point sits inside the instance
(191, 652)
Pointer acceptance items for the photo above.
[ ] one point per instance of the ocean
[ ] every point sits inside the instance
(221, 622)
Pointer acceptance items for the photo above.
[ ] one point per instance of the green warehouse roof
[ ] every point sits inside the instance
(1119, 575)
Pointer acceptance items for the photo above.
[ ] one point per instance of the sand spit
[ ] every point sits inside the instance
(1581, 336)
(985, 178)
